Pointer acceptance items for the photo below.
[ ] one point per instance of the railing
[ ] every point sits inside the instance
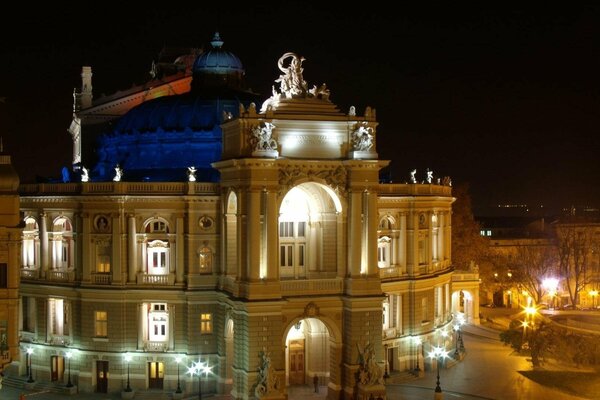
(313, 286)
(101, 278)
(414, 189)
(130, 188)
(63, 275)
(155, 346)
(27, 273)
(389, 333)
(390, 272)
(149, 279)
(60, 339)
(27, 336)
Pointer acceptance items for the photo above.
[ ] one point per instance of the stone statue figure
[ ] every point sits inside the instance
(262, 139)
(85, 177)
(291, 82)
(429, 176)
(413, 179)
(352, 111)
(320, 92)
(118, 173)
(369, 372)
(267, 382)
(362, 138)
(191, 172)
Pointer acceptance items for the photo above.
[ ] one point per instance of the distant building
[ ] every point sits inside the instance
(258, 242)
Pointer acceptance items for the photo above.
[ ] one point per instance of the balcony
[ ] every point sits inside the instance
(27, 336)
(60, 275)
(30, 273)
(389, 333)
(101, 278)
(63, 340)
(155, 346)
(149, 279)
(298, 287)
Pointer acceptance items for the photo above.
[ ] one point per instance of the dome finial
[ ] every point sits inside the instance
(216, 41)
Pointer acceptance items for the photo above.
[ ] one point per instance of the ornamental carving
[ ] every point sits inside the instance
(311, 310)
(267, 381)
(369, 372)
(262, 137)
(362, 137)
(292, 84)
(336, 178)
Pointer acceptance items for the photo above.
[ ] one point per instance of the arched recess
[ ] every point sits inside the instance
(313, 346)
(231, 234)
(463, 301)
(31, 244)
(63, 248)
(309, 231)
(229, 355)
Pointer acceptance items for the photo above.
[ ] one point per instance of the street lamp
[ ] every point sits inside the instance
(178, 360)
(29, 357)
(417, 341)
(69, 354)
(593, 293)
(197, 369)
(128, 359)
(439, 353)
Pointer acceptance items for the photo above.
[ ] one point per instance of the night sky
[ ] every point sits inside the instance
(506, 99)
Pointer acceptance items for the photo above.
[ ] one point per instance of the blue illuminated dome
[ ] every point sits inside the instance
(160, 138)
(217, 60)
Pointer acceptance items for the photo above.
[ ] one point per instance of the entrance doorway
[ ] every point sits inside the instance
(102, 376)
(57, 368)
(297, 362)
(156, 375)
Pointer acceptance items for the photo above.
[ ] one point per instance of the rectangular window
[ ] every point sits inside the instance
(301, 255)
(103, 258)
(3, 275)
(301, 229)
(286, 255)
(58, 317)
(205, 323)
(422, 258)
(424, 310)
(286, 229)
(101, 324)
(28, 313)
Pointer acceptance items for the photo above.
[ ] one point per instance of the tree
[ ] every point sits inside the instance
(575, 243)
(468, 246)
(532, 265)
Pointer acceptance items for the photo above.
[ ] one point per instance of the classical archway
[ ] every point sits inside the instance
(308, 347)
(463, 302)
(308, 231)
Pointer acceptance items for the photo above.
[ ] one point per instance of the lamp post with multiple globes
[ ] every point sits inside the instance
(128, 360)
(198, 369)
(29, 357)
(439, 353)
(69, 355)
(178, 360)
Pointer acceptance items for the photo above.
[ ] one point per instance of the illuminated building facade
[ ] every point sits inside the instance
(269, 251)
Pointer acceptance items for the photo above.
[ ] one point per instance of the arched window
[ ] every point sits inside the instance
(157, 247)
(293, 234)
(31, 238)
(62, 244)
(383, 252)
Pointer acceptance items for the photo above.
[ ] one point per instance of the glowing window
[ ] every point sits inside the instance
(206, 323)
(101, 324)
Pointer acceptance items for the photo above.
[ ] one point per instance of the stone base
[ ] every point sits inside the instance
(177, 396)
(29, 385)
(371, 392)
(265, 153)
(127, 395)
(69, 390)
(362, 155)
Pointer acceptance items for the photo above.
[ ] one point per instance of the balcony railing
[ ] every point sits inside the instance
(27, 273)
(27, 336)
(298, 287)
(60, 339)
(101, 278)
(155, 346)
(61, 275)
(389, 333)
(149, 279)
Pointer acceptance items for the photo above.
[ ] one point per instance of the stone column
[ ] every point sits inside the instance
(132, 251)
(87, 248)
(253, 236)
(44, 244)
(448, 235)
(355, 234)
(371, 227)
(180, 249)
(116, 249)
(272, 220)
(441, 237)
(402, 242)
